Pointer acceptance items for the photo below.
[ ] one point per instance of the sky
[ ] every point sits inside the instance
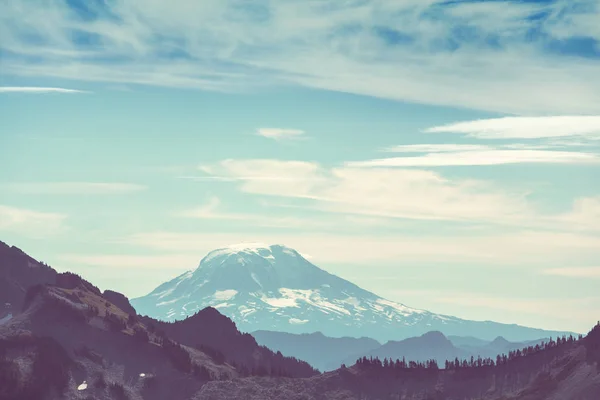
(443, 154)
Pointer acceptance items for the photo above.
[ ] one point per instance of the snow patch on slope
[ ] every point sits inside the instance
(299, 297)
(296, 321)
(164, 303)
(223, 295)
(6, 319)
(402, 309)
(255, 279)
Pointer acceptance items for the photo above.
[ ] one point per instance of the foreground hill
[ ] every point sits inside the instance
(565, 371)
(68, 340)
(18, 272)
(274, 288)
(216, 334)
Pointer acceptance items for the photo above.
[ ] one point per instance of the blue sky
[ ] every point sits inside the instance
(442, 154)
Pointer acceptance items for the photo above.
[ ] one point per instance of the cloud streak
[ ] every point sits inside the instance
(73, 188)
(587, 127)
(483, 157)
(30, 223)
(37, 90)
(130, 261)
(212, 210)
(574, 272)
(402, 193)
(279, 133)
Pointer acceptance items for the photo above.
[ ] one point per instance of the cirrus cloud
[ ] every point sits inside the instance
(483, 157)
(574, 272)
(399, 193)
(279, 133)
(31, 89)
(72, 188)
(401, 50)
(30, 223)
(526, 127)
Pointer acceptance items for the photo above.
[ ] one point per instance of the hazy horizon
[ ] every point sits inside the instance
(447, 159)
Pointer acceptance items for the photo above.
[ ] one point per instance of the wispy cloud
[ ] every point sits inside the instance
(435, 148)
(396, 193)
(555, 140)
(279, 133)
(73, 188)
(212, 210)
(130, 261)
(404, 50)
(483, 157)
(574, 272)
(30, 89)
(526, 127)
(403, 193)
(30, 223)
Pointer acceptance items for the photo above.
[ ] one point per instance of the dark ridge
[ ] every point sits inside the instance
(18, 272)
(69, 280)
(119, 300)
(499, 341)
(592, 344)
(213, 332)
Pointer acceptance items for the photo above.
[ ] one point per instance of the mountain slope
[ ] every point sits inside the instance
(209, 328)
(320, 351)
(18, 272)
(70, 342)
(275, 288)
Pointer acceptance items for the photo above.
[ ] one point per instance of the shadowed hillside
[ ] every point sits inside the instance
(68, 339)
(209, 328)
(69, 335)
(18, 272)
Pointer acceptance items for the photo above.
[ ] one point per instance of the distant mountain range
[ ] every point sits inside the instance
(569, 371)
(320, 351)
(327, 353)
(274, 288)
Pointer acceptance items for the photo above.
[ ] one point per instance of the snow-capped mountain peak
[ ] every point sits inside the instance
(273, 287)
(249, 249)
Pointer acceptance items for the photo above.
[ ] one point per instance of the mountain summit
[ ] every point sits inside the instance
(275, 288)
